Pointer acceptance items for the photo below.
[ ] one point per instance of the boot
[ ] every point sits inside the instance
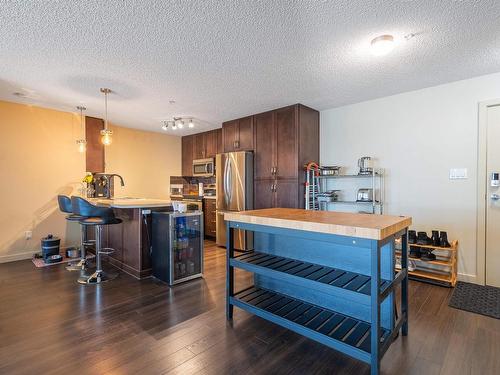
(412, 236)
(423, 239)
(415, 252)
(435, 238)
(443, 239)
(428, 255)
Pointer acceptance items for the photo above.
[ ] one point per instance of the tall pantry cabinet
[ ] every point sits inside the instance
(285, 140)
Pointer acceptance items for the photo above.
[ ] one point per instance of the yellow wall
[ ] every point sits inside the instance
(39, 160)
(145, 160)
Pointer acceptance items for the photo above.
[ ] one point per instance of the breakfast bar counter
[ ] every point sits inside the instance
(131, 239)
(326, 275)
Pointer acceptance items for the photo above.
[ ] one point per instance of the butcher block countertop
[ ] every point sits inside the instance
(131, 202)
(375, 227)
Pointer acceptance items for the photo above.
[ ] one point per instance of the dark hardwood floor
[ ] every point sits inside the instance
(51, 325)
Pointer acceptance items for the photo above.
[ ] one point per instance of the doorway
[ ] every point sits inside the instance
(488, 259)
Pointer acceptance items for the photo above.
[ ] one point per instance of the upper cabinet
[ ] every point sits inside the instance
(237, 135)
(199, 146)
(94, 156)
(187, 155)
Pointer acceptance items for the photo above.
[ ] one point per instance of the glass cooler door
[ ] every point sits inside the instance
(187, 246)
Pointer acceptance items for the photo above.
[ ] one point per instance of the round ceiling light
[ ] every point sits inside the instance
(382, 45)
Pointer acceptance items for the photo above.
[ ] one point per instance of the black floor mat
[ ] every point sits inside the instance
(484, 300)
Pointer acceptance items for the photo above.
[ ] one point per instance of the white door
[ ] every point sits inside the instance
(493, 198)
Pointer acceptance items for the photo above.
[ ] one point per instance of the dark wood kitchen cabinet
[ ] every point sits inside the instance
(199, 146)
(209, 217)
(220, 144)
(187, 155)
(284, 141)
(237, 135)
(94, 155)
(211, 144)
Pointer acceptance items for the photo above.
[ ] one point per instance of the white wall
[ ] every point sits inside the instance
(417, 137)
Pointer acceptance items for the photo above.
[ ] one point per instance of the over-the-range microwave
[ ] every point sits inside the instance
(204, 167)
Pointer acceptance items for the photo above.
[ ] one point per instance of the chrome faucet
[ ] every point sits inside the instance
(117, 175)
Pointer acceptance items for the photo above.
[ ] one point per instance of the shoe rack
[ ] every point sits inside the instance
(442, 271)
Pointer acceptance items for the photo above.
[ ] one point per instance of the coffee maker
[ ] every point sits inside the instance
(103, 185)
(365, 165)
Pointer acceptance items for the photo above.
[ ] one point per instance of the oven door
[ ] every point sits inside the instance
(203, 167)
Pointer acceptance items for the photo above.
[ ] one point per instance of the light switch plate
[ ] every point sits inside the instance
(458, 173)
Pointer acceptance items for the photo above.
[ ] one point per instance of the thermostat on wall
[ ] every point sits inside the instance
(458, 173)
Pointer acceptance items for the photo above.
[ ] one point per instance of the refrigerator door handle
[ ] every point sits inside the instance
(225, 181)
(230, 180)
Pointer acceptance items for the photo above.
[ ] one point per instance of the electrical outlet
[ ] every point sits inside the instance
(28, 235)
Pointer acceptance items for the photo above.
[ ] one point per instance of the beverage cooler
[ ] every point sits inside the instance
(177, 253)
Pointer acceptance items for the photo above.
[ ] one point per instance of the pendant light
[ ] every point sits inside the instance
(106, 133)
(191, 124)
(82, 143)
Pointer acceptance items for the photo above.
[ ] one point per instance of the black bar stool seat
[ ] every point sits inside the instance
(66, 207)
(98, 217)
(100, 221)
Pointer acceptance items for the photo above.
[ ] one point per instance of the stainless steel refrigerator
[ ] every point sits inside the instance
(234, 178)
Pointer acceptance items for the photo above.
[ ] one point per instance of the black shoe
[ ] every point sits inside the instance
(435, 238)
(428, 255)
(412, 236)
(443, 239)
(415, 252)
(423, 239)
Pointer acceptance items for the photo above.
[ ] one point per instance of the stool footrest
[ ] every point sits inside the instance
(106, 250)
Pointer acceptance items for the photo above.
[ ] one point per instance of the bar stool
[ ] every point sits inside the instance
(66, 207)
(97, 217)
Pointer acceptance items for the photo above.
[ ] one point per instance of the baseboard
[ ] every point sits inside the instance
(467, 278)
(14, 257)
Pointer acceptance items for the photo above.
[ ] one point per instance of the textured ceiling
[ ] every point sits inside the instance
(224, 59)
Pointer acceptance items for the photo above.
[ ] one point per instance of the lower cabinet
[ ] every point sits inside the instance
(209, 217)
(287, 193)
(276, 193)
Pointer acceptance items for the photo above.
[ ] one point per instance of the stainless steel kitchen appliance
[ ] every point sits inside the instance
(234, 180)
(177, 246)
(365, 195)
(203, 167)
(365, 165)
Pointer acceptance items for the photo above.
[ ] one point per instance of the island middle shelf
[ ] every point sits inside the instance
(308, 274)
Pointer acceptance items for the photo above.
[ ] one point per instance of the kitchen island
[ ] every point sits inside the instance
(131, 239)
(326, 275)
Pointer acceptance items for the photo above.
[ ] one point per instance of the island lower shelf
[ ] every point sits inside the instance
(328, 327)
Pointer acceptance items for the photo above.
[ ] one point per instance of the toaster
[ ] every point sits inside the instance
(365, 195)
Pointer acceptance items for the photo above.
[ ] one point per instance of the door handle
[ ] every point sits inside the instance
(495, 197)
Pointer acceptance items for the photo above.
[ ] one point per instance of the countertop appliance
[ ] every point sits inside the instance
(365, 195)
(203, 167)
(177, 246)
(365, 165)
(103, 185)
(176, 191)
(234, 180)
(209, 190)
